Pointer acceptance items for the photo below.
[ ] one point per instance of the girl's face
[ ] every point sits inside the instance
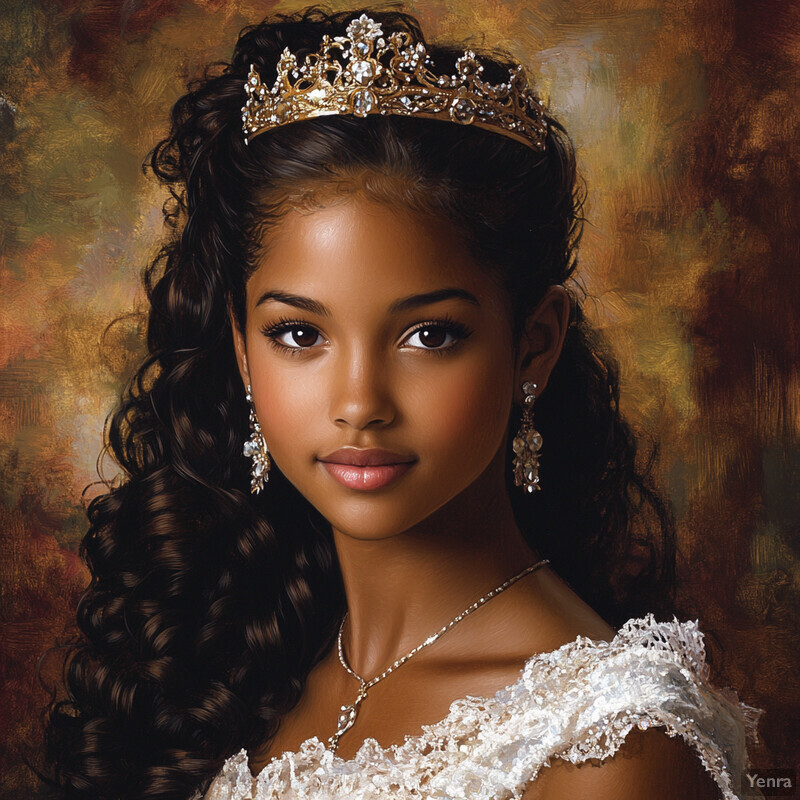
(370, 328)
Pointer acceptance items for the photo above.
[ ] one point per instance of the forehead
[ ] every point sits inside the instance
(356, 249)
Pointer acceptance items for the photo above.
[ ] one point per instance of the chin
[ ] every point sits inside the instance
(371, 527)
(367, 520)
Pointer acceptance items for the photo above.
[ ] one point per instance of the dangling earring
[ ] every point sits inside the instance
(527, 444)
(256, 448)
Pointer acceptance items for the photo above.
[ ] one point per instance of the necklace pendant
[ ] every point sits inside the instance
(346, 719)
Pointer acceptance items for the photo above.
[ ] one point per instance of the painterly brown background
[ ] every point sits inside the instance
(685, 113)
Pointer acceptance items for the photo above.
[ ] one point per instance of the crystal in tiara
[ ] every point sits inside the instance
(363, 73)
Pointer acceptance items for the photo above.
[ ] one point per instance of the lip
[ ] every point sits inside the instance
(366, 470)
(365, 458)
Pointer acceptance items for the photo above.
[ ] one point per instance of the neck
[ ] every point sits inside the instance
(402, 589)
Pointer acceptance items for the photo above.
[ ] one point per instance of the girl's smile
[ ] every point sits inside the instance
(372, 329)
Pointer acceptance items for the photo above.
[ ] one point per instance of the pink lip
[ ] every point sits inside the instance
(366, 458)
(366, 469)
(366, 478)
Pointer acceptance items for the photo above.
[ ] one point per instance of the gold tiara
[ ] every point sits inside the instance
(370, 75)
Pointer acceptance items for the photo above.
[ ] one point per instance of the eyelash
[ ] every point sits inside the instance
(272, 332)
(456, 329)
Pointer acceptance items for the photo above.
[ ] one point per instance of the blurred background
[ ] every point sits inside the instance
(685, 116)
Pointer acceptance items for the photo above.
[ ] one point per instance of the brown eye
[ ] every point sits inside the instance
(303, 337)
(430, 337)
(295, 337)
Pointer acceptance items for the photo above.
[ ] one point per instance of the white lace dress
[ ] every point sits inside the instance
(577, 702)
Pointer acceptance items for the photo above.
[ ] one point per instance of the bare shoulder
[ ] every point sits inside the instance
(561, 615)
(650, 765)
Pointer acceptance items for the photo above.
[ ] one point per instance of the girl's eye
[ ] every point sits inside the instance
(295, 336)
(438, 335)
(299, 337)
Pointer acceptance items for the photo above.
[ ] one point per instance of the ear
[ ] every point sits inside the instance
(239, 345)
(542, 340)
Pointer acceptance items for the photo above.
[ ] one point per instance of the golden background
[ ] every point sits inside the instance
(685, 118)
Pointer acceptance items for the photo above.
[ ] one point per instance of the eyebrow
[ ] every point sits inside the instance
(417, 300)
(405, 304)
(296, 300)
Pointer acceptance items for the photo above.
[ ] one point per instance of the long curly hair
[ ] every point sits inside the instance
(209, 606)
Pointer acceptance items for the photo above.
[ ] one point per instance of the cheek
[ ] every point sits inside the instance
(285, 409)
(471, 411)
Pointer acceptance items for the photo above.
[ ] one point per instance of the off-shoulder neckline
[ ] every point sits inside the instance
(635, 628)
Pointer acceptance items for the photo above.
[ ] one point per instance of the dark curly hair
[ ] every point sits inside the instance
(209, 606)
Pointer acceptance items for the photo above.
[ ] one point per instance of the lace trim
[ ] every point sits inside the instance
(577, 702)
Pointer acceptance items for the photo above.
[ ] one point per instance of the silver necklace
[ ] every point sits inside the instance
(348, 714)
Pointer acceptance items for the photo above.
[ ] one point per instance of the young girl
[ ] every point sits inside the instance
(381, 532)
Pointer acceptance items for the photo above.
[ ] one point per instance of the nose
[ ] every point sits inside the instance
(360, 390)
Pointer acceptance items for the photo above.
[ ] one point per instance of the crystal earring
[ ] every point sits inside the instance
(527, 444)
(256, 448)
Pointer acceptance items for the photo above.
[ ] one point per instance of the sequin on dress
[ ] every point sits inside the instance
(575, 703)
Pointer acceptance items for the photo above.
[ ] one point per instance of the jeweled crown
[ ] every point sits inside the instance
(363, 73)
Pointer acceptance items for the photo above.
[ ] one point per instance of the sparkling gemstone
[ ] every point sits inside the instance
(467, 66)
(346, 719)
(531, 476)
(362, 48)
(462, 110)
(282, 109)
(518, 445)
(258, 469)
(363, 101)
(529, 387)
(250, 448)
(362, 72)
(535, 440)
